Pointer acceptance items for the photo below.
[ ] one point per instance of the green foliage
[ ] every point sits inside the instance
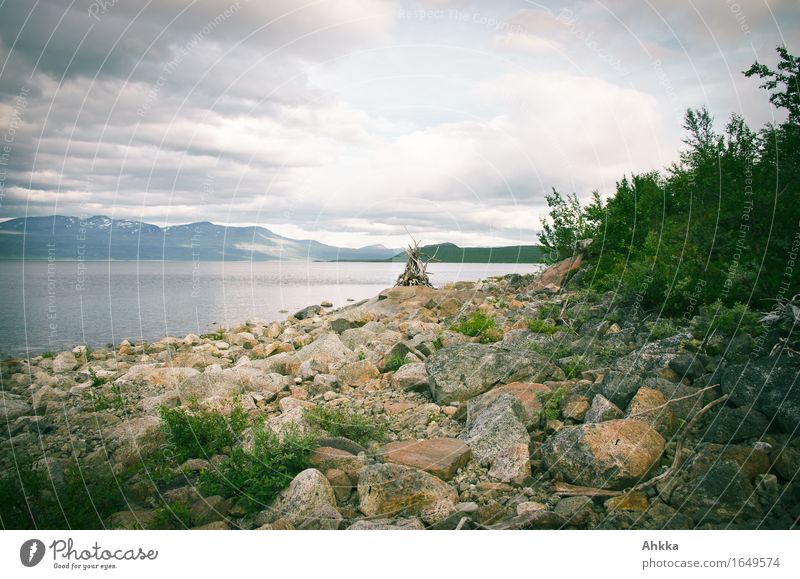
(491, 335)
(346, 422)
(83, 500)
(716, 225)
(437, 344)
(96, 381)
(171, 516)
(569, 223)
(574, 368)
(551, 401)
(215, 336)
(112, 400)
(202, 432)
(48, 354)
(362, 355)
(554, 350)
(480, 325)
(538, 326)
(549, 312)
(257, 477)
(726, 321)
(662, 328)
(394, 363)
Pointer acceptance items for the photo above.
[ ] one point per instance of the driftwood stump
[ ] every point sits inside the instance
(414, 273)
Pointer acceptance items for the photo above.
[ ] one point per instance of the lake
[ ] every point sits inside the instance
(52, 306)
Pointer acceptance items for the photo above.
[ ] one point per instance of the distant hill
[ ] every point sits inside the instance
(103, 238)
(451, 253)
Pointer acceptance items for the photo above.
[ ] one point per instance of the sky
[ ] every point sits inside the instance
(357, 122)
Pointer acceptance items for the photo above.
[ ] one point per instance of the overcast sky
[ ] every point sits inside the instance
(348, 121)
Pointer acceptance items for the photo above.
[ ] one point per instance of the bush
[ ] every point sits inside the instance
(345, 422)
(201, 432)
(480, 325)
(550, 403)
(726, 321)
(257, 477)
(171, 516)
(538, 326)
(549, 312)
(83, 500)
(661, 329)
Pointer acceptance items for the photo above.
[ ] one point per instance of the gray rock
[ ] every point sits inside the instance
(64, 362)
(308, 494)
(462, 371)
(602, 409)
(614, 454)
(11, 409)
(308, 312)
(731, 425)
(496, 428)
(410, 524)
(769, 385)
(355, 337)
(577, 511)
(391, 489)
(411, 377)
(327, 349)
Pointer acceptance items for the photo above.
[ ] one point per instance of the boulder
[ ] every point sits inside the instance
(11, 409)
(327, 349)
(308, 494)
(731, 425)
(411, 377)
(463, 371)
(769, 385)
(602, 409)
(496, 428)
(410, 524)
(614, 454)
(65, 362)
(394, 489)
(512, 465)
(649, 406)
(577, 511)
(292, 421)
(204, 387)
(136, 438)
(715, 485)
(167, 376)
(326, 457)
(209, 510)
(439, 456)
(527, 394)
(308, 312)
(357, 373)
(554, 276)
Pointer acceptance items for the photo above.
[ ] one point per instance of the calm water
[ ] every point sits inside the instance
(54, 306)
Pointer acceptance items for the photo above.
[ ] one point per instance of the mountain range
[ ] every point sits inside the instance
(102, 238)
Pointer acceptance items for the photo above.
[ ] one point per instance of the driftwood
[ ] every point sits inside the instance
(565, 489)
(415, 273)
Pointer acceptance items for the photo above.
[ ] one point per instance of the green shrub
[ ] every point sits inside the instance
(550, 403)
(345, 422)
(549, 312)
(491, 335)
(662, 328)
(83, 500)
(201, 432)
(215, 336)
(539, 326)
(96, 381)
(394, 363)
(257, 477)
(574, 367)
(48, 354)
(480, 325)
(726, 321)
(171, 516)
(112, 400)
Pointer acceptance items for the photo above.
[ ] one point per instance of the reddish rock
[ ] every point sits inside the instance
(556, 274)
(397, 406)
(526, 392)
(439, 456)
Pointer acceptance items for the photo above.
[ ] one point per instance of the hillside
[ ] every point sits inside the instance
(102, 238)
(451, 253)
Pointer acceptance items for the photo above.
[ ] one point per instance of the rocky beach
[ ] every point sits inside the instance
(516, 402)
